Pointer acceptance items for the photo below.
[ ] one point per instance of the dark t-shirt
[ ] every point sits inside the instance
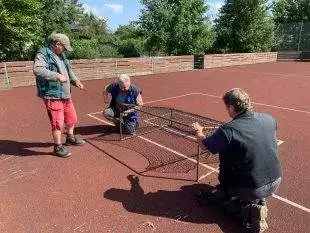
(122, 99)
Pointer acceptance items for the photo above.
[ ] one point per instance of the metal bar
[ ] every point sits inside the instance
(120, 127)
(198, 158)
(116, 67)
(164, 118)
(299, 38)
(153, 66)
(170, 117)
(190, 115)
(140, 134)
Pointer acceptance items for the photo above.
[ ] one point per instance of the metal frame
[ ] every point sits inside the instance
(200, 152)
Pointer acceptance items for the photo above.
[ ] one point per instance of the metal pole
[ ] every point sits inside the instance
(299, 39)
(164, 118)
(180, 64)
(153, 68)
(197, 165)
(120, 126)
(171, 117)
(116, 68)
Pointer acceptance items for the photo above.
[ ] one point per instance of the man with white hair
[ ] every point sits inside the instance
(124, 95)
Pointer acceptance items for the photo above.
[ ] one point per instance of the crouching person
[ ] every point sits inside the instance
(125, 98)
(250, 170)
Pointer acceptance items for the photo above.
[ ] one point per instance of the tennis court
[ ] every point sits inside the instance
(91, 191)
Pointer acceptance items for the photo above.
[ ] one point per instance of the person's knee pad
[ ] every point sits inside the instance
(109, 112)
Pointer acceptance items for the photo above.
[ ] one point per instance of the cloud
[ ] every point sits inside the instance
(214, 9)
(116, 8)
(100, 10)
(96, 10)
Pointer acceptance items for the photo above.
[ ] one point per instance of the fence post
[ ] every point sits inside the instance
(116, 68)
(299, 38)
(7, 78)
(152, 59)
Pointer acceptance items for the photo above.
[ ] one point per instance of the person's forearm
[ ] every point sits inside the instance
(139, 100)
(200, 137)
(105, 95)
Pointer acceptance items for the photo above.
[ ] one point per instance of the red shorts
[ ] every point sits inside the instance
(60, 113)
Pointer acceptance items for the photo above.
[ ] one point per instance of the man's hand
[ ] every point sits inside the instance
(79, 85)
(125, 113)
(199, 134)
(198, 128)
(62, 78)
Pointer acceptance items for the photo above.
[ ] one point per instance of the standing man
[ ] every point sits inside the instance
(53, 78)
(250, 170)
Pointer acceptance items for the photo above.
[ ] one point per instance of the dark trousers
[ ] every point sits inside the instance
(239, 201)
(257, 195)
(130, 126)
(127, 126)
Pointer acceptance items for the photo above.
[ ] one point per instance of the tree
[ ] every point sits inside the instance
(18, 25)
(60, 15)
(89, 26)
(291, 11)
(292, 19)
(130, 40)
(244, 26)
(174, 27)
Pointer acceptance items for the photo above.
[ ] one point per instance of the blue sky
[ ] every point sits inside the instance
(119, 12)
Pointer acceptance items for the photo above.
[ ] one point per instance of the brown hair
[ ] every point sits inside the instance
(237, 98)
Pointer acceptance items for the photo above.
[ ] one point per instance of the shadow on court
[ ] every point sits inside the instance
(178, 205)
(9, 147)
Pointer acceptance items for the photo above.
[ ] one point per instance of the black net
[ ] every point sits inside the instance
(152, 118)
(166, 139)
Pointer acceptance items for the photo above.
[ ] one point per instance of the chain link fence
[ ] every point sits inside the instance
(294, 37)
(293, 40)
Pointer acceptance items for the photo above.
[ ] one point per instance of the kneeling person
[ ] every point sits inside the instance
(124, 96)
(250, 169)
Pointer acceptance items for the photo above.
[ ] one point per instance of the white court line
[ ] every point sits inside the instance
(279, 142)
(205, 120)
(206, 175)
(172, 130)
(219, 97)
(154, 101)
(161, 146)
(291, 203)
(209, 167)
(153, 118)
(1, 160)
(169, 98)
(267, 105)
(272, 74)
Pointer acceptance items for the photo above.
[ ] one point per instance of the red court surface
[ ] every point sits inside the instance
(90, 192)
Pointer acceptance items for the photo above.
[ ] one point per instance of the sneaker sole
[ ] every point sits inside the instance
(61, 156)
(69, 144)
